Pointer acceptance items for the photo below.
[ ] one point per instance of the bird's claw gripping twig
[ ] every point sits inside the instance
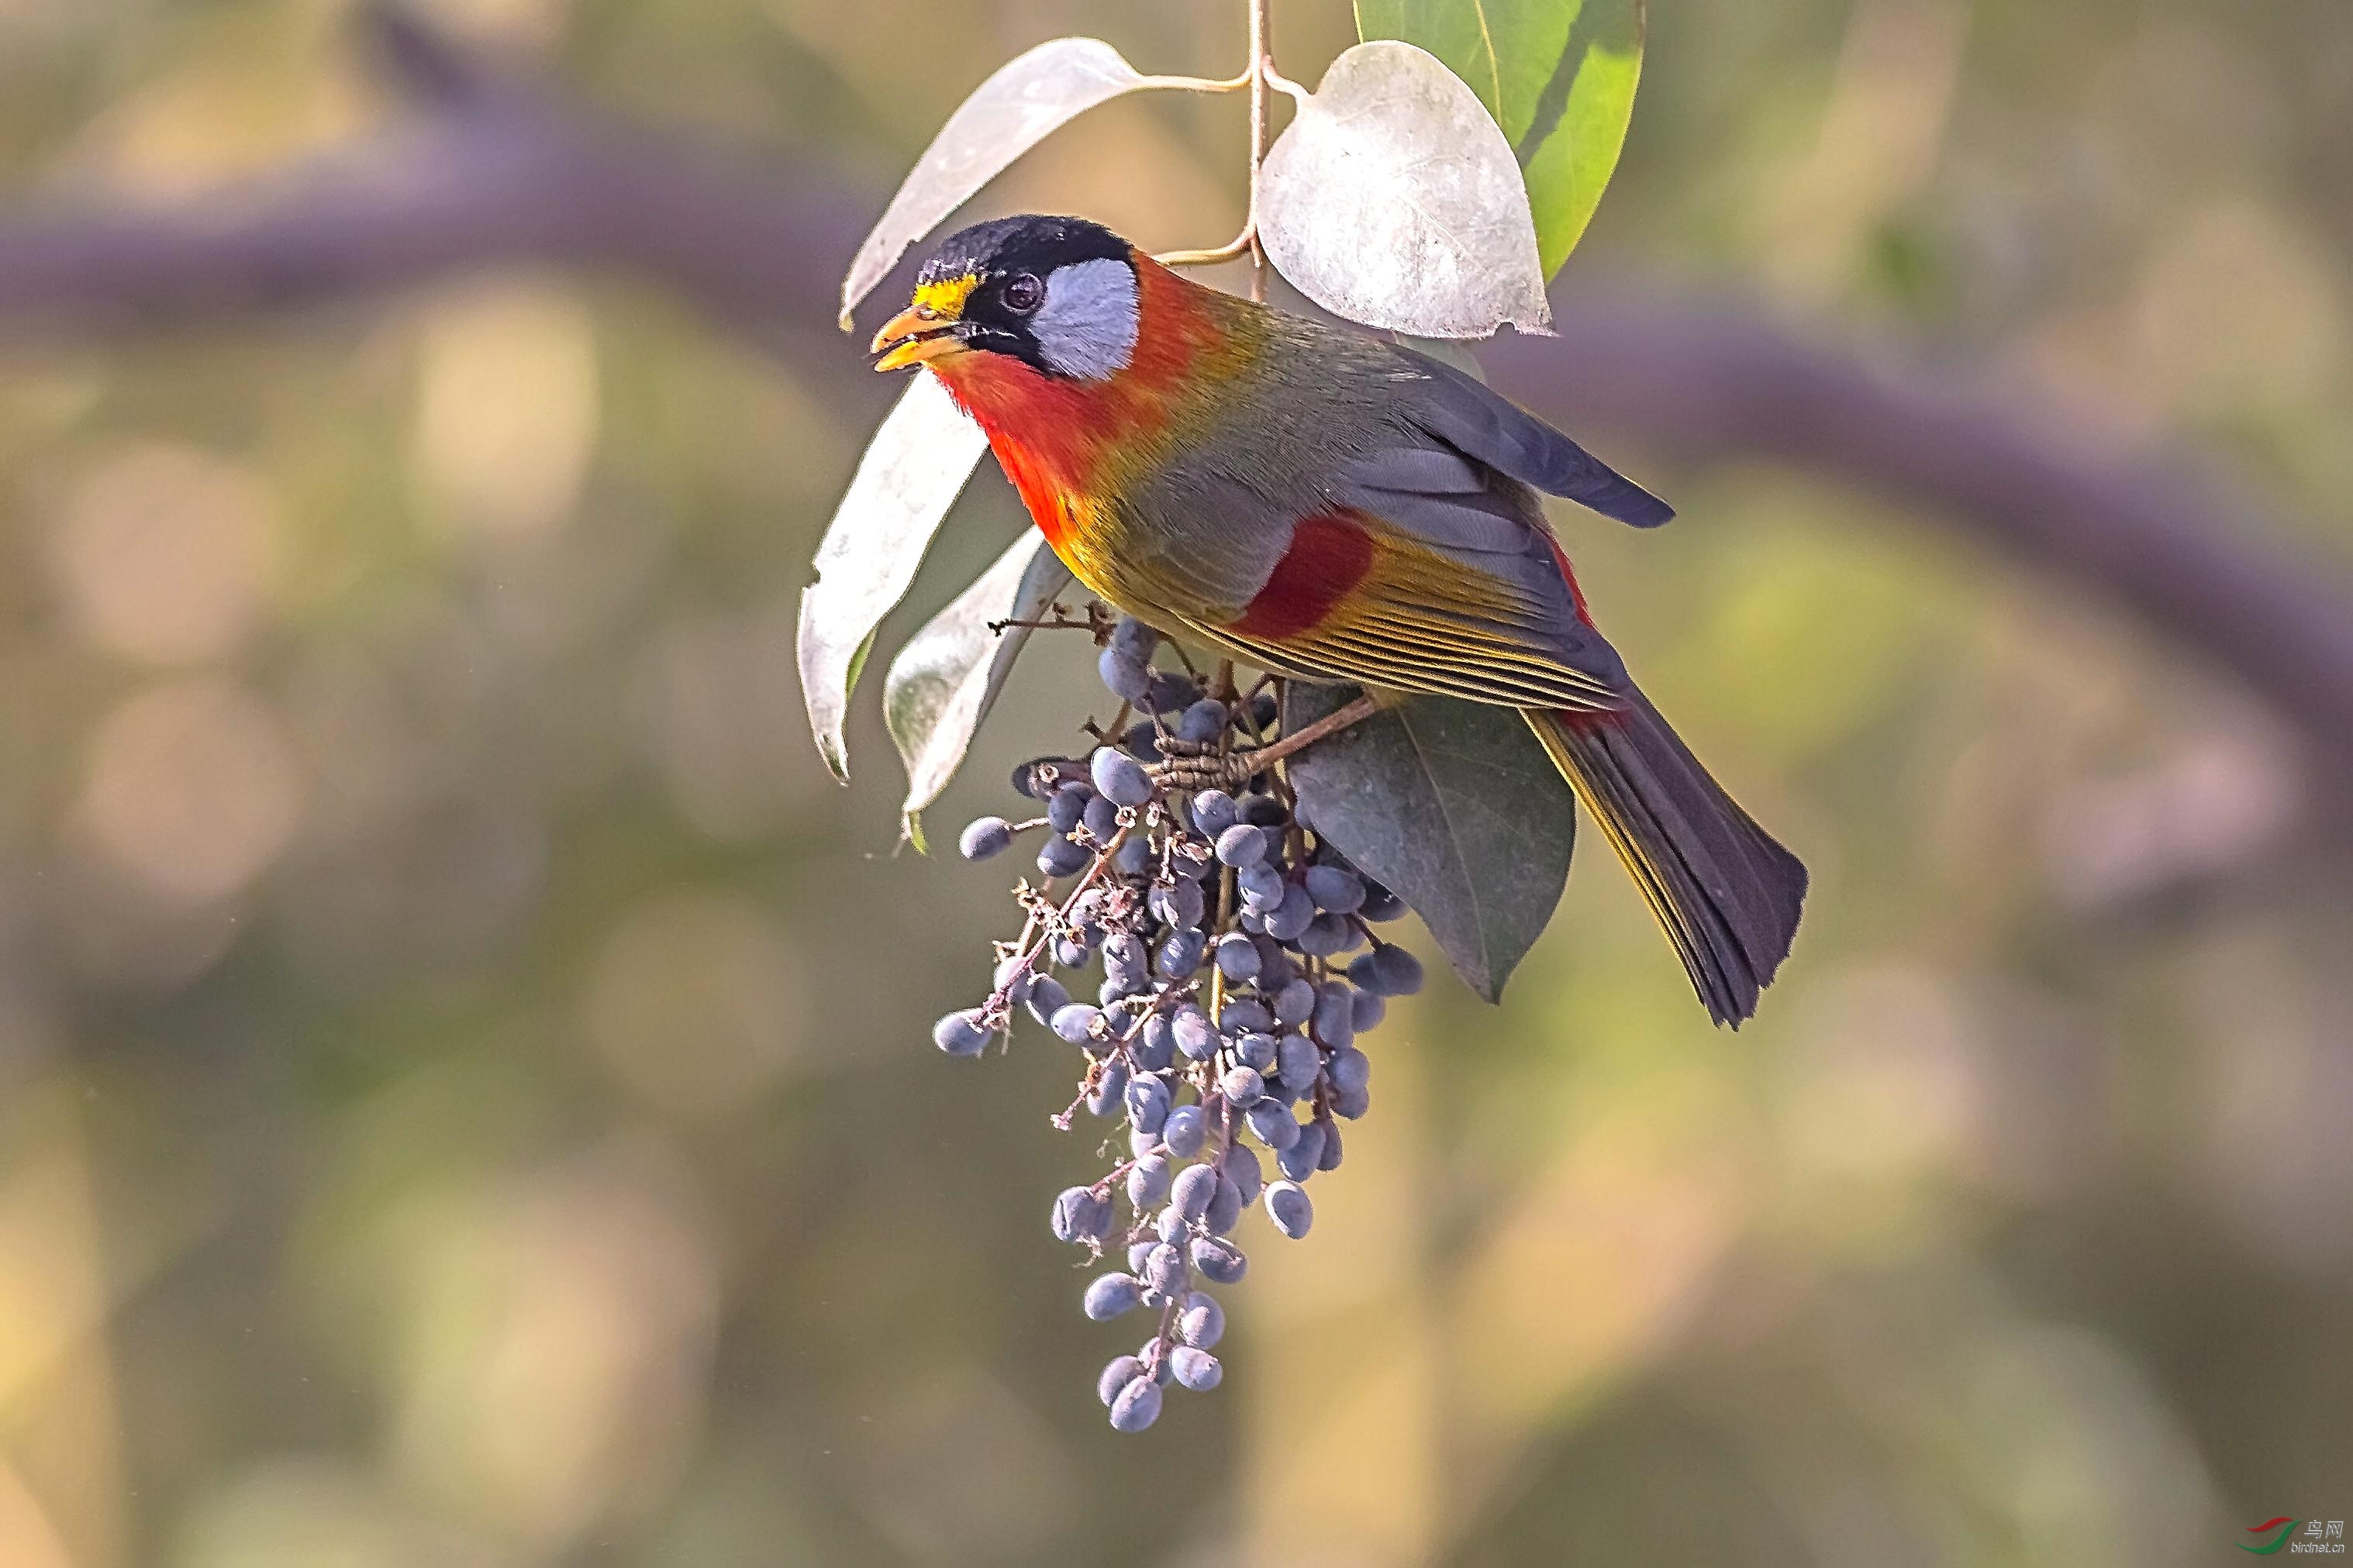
(1193, 767)
(1190, 765)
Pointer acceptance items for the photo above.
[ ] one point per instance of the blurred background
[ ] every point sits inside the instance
(464, 1088)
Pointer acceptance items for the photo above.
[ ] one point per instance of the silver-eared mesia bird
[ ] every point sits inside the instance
(1334, 508)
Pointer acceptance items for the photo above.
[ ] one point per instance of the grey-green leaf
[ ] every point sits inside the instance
(910, 475)
(1557, 75)
(1030, 97)
(1393, 199)
(944, 681)
(1455, 807)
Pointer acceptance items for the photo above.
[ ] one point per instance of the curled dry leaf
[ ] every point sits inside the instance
(1027, 98)
(942, 684)
(1393, 199)
(911, 474)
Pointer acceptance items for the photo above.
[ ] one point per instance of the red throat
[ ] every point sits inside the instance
(1054, 436)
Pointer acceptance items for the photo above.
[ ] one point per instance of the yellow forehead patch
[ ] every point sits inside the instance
(945, 298)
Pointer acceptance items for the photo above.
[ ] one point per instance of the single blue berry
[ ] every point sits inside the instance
(1271, 1122)
(1180, 955)
(1366, 1010)
(1242, 1086)
(983, 836)
(1067, 806)
(1047, 997)
(1294, 1001)
(1147, 1183)
(1243, 1015)
(1123, 673)
(1133, 638)
(1262, 887)
(1299, 1162)
(1336, 889)
(1165, 1270)
(1239, 1166)
(1194, 1186)
(1238, 958)
(1137, 1407)
(1325, 935)
(1241, 845)
(1076, 1022)
(1348, 1069)
(1256, 1050)
(1184, 1131)
(1123, 1370)
(1195, 1035)
(1110, 1295)
(961, 1034)
(1081, 1215)
(1147, 1104)
(1329, 1160)
(1213, 812)
(1202, 722)
(1226, 1205)
(1336, 1014)
(1180, 904)
(1120, 777)
(1287, 920)
(1219, 1260)
(1060, 857)
(1200, 1323)
(1109, 1092)
(1171, 691)
(1196, 1368)
(1399, 970)
(1297, 1060)
(1288, 1206)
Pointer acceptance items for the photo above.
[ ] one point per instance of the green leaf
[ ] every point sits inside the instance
(1557, 75)
(1455, 807)
(945, 681)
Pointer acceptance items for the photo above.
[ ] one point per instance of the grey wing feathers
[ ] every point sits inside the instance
(1459, 410)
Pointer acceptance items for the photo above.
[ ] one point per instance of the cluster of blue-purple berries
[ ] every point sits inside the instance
(1238, 966)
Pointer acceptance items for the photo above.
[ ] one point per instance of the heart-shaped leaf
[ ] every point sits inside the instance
(1455, 807)
(1393, 199)
(944, 681)
(910, 475)
(1557, 75)
(1028, 97)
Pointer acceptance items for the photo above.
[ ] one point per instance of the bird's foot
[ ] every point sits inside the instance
(1193, 767)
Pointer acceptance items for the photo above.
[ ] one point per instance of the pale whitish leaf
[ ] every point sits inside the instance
(1453, 806)
(944, 681)
(1393, 199)
(1027, 98)
(911, 474)
(1558, 76)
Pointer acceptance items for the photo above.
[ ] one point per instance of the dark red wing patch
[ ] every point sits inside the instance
(1330, 554)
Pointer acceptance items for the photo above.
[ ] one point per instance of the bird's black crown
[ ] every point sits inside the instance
(1031, 243)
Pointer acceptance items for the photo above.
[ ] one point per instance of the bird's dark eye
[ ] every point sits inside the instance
(1024, 293)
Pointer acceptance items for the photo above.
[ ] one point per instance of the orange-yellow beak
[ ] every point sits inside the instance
(913, 335)
(927, 329)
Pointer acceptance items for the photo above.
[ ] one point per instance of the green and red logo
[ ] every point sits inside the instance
(2283, 1525)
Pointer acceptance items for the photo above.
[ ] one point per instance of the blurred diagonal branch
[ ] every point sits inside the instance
(499, 169)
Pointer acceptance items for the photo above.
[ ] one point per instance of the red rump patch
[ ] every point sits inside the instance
(1330, 554)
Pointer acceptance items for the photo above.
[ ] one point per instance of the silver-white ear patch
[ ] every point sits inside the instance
(1087, 326)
